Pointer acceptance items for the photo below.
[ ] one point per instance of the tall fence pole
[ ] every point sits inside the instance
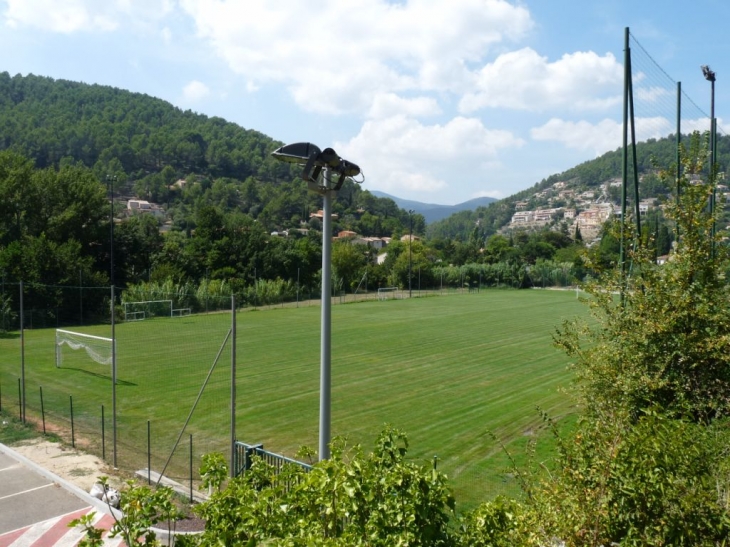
(233, 386)
(114, 381)
(625, 156)
(678, 158)
(22, 357)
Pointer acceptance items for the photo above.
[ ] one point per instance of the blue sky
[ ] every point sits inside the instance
(437, 100)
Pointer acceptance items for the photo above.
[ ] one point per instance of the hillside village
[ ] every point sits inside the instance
(585, 210)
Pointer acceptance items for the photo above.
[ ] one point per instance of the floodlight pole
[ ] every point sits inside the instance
(316, 161)
(325, 370)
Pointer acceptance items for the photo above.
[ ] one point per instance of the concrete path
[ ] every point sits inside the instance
(36, 506)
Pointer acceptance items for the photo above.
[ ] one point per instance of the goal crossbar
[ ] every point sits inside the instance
(385, 293)
(98, 348)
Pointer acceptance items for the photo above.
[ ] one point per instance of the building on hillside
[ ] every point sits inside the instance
(591, 220)
(140, 206)
(523, 217)
(320, 215)
(569, 213)
(374, 242)
(545, 216)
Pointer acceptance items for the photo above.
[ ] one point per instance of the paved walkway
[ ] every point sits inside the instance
(36, 506)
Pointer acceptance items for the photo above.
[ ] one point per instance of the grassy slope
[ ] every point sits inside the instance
(447, 370)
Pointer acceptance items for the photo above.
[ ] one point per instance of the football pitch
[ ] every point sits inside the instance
(449, 371)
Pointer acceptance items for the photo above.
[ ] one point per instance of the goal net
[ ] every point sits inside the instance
(98, 348)
(387, 293)
(137, 311)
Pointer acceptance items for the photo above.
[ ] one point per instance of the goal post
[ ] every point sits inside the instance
(387, 293)
(98, 348)
(146, 309)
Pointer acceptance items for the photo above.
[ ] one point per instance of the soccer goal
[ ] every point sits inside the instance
(98, 348)
(387, 293)
(181, 312)
(138, 311)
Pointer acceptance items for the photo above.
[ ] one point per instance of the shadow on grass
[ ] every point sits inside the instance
(102, 376)
(9, 335)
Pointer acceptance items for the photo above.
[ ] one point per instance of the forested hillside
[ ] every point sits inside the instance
(223, 211)
(588, 175)
(147, 145)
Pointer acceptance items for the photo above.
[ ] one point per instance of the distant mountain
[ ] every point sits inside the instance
(433, 212)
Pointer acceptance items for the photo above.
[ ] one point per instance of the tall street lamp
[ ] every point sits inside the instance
(410, 244)
(710, 77)
(319, 166)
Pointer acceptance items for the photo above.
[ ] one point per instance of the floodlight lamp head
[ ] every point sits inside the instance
(314, 160)
(299, 152)
(708, 73)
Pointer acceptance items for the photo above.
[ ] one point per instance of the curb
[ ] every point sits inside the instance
(72, 488)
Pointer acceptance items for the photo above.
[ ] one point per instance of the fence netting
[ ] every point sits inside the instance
(173, 373)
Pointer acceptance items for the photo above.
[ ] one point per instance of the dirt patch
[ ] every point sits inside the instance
(76, 467)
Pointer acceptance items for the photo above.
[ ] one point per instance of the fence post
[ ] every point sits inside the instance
(43, 411)
(103, 436)
(73, 439)
(20, 402)
(1, 397)
(191, 468)
(149, 455)
(435, 462)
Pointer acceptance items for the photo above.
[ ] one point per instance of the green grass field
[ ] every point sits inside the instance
(447, 370)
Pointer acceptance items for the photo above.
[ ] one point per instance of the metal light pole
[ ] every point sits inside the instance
(316, 161)
(410, 244)
(325, 342)
(710, 77)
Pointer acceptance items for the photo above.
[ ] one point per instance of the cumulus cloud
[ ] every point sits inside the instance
(390, 104)
(195, 90)
(337, 56)
(582, 135)
(600, 137)
(402, 154)
(71, 16)
(525, 80)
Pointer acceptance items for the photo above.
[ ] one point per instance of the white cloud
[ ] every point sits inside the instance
(65, 17)
(68, 16)
(600, 137)
(390, 104)
(525, 80)
(166, 35)
(401, 154)
(581, 135)
(338, 56)
(651, 94)
(194, 91)
(700, 124)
